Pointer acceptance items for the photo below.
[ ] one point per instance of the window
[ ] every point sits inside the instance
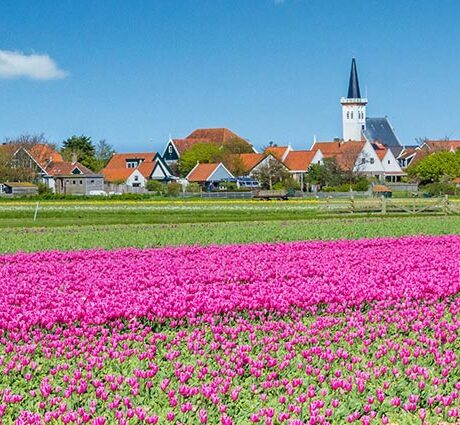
(81, 181)
(372, 160)
(91, 181)
(388, 161)
(136, 178)
(73, 181)
(351, 114)
(170, 148)
(348, 115)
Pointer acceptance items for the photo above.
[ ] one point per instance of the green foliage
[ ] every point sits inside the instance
(201, 152)
(439, 188)
(80, 148)
(434, 167)
(271, 173)
(333, 179)
(193, 188)
(173, 189)
(104, 152)
(43, 189)
(155, 186)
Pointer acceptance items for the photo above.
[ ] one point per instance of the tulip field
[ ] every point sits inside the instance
(315, 332)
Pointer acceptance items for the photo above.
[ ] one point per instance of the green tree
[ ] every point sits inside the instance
(434, 167)
(155, 186)
(202, 153)
(80, 148)
(103, 153)
(270, 173)
(326, 174)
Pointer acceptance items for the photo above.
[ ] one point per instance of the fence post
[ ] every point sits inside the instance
(384, 205)
(36, 211)
(352, 204)
(445, 204)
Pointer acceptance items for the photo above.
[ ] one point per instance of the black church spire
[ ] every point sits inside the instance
(353, 86)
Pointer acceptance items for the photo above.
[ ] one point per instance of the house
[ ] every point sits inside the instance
(412, 154)
(19, 188)
(135, 169)
(245, 164)
(392, 171)
(72, 178)
(357, 156)
(298, 162)
(209, 175)
(219, 136)
(48, 167)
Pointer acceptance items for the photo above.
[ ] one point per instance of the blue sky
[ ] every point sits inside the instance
(134, 71)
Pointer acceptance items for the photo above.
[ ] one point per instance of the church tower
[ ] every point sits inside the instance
(353, 108)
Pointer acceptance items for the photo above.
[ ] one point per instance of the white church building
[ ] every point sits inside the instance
(370, 143)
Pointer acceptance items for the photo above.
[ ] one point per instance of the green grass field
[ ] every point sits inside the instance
(156, 235)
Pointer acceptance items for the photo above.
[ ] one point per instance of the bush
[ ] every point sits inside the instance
(173, 189)
(193, 188)
(43, 189)
(362, 185)
(155, 186)
(436, 189)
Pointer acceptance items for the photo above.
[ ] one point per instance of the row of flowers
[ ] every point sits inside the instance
(338, 332)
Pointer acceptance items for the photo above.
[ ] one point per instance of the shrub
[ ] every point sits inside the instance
(439, 189)
(43, 189)
(194, 188)
(155, 186)
(173, 189)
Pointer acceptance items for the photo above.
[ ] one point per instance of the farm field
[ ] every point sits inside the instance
(157, 235)
(100, 212)
(340, 332)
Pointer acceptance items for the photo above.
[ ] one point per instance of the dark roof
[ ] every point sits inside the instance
(353, 85)
(380, 130)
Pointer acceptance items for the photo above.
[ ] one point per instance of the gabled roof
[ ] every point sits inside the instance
(66, 167)
(118, 160)
(117, 174)
(146, 168)
(250, 160)
(218, 136)
(380, 130)
(277, 151)
(299, 160)
(43, 154)
(203, 172)
(214, 135)
(345, 153)
(442, 145)
(380, 150)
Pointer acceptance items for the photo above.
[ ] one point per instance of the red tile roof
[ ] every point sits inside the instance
(443, 145)
(345, 153)
(277, 151)
(249, 160)
(117, 174)
(146, 168)
(214, 135)
(201, 172)
(218, 136)
(44, 154)
(118, 160)
(380, 150)
(299, 160)
(66, 167)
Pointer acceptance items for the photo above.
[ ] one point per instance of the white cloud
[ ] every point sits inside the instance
(34, 66)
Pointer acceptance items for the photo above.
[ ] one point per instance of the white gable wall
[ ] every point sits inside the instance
(390, 164)
(368, 162)
(131, 180)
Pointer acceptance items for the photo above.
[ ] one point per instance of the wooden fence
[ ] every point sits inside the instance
(385, 206)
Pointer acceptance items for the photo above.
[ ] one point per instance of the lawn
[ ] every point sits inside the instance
(157, 235)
